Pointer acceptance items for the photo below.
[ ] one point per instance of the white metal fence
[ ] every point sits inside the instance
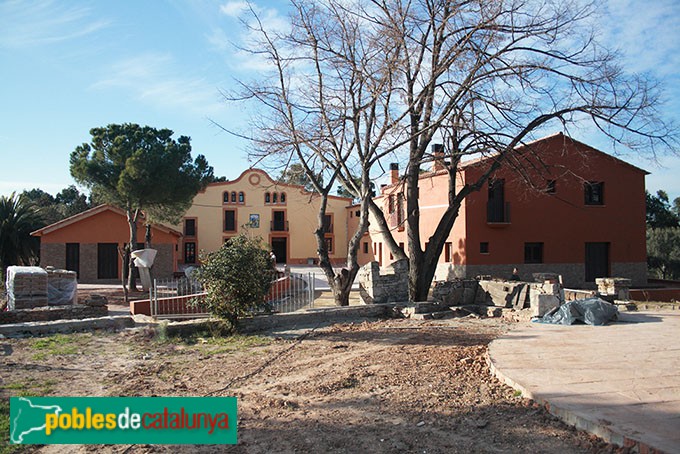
(177, 298)
(184, 297)
(291, 292)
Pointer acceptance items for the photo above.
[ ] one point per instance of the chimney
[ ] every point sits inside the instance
(438, 157)
(394, 173)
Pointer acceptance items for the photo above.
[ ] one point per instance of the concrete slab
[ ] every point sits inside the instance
(620, 381)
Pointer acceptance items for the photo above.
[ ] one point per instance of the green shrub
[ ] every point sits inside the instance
(237, 278)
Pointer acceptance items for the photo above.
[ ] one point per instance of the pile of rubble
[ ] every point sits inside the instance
(514, 300)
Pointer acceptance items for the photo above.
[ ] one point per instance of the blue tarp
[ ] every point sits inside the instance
(593, 311)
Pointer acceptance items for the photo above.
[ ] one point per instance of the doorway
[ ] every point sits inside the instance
(280, 248)
(107, 261)
(73, 257)
(597, 261)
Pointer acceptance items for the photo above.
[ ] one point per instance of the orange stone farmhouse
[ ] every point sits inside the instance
(583, 217)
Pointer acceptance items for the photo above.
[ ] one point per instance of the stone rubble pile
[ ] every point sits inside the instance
(614, 288)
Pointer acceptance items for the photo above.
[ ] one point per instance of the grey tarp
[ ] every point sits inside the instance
(593, 311)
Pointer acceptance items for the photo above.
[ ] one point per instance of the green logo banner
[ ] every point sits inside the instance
(118, 420)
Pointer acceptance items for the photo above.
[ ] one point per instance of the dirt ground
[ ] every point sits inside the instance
(382, 386)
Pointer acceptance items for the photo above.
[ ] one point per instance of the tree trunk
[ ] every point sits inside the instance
(122, 255)
(342, 287)
(397, 252)
(147, 236)
(415, 252)
(132, 246)
(341, 283)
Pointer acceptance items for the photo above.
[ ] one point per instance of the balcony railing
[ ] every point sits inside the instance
(279, 226)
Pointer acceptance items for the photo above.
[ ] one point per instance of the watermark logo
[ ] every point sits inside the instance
(129, 420)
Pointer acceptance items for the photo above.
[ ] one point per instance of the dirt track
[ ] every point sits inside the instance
(385, 386)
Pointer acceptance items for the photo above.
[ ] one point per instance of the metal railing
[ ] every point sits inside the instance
(177, 298)
(498, 213)
(291, 292)
(278, 226)
(185, 298)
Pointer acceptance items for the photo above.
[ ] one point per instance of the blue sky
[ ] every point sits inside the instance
(69, 66)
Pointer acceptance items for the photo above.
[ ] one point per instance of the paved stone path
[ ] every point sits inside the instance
(620, 382)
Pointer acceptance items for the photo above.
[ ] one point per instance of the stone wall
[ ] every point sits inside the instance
(66, 326)
(53, 254)
(386, 285)
(573, 274)
(88, 263)
(45, 314)
(540, 296)
(635, 271)
(457, 292)
(613, 288)
(163, 266)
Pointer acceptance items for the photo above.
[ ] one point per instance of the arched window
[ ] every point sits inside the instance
(241, 197)
(283, 197)
(274, 197)
(267, 197)
(225, 197)
(233, 197)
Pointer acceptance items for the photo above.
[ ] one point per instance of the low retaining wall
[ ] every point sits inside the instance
(655, 294)
(311, 317)
(66, 326)
(173, 305)
(51, 313)
(292, 320)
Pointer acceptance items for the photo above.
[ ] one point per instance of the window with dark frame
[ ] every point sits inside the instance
(190, 252)
(233, 197)
(241, 197)
(283, 197)
(533, 252)
(390, 204)
(275, 197)
(400, 209)
(365, 247)
(267, 197)
(329, 245)
(190, 227)
(230, 221)
(447, 252)
(594, 193)
(497, 210)
(225, 197)
(484, 247)
(327, 223)
(279, 223)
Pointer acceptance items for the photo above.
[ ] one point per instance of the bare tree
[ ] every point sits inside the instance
(358, 81)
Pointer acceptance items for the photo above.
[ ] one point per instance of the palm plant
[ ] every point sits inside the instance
(17, 221)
